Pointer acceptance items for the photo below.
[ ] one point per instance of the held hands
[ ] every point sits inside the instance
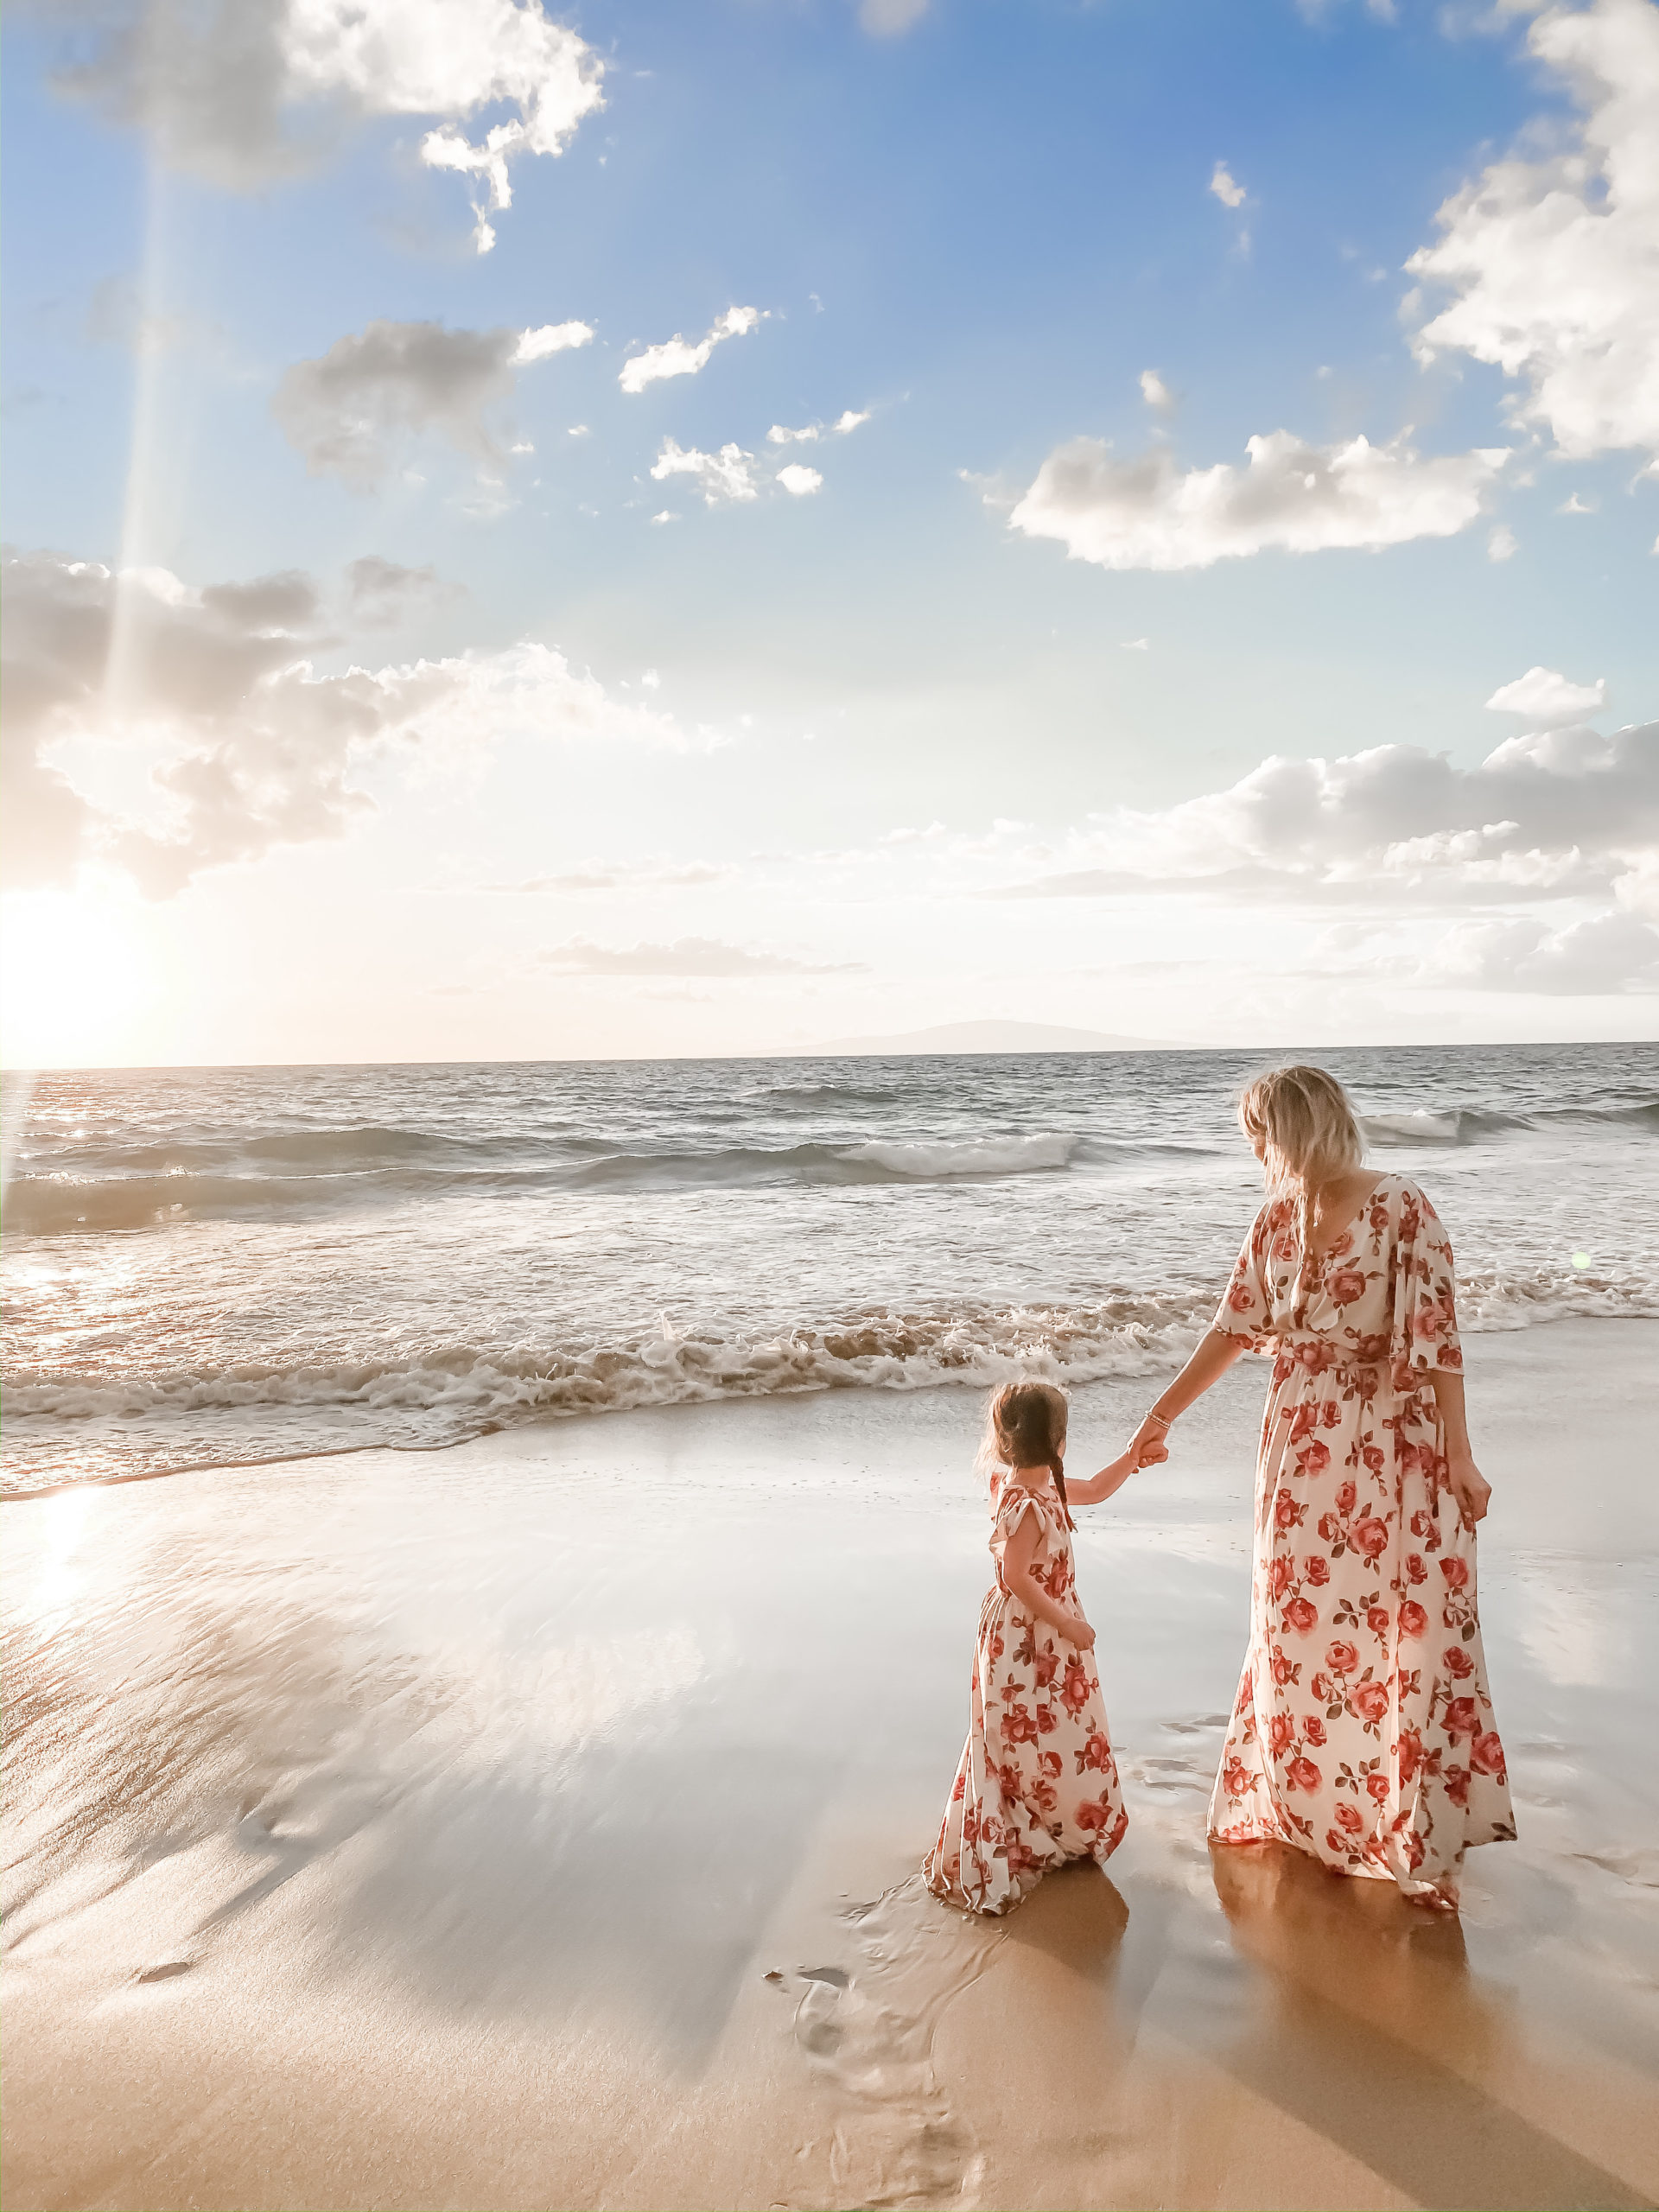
(1149, 1446)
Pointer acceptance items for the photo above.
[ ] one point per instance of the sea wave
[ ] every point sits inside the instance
(46, 1204)
(994, 1156)
(1460, 1125)
(482, 1387)
(445, 1393)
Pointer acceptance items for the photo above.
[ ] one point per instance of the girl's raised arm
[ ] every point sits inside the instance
(1093, 1489)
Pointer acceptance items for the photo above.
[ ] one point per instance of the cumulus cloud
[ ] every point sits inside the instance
(1147, 513)
(1547, 699)
(798, 480)
(1156, 393)
(551, 338)
(1605, 953)
(206, 703)
(1552, 265)
(687, 955)
(1225, 187)
(674, 357)
(349, 413)
(1503, 544)
(245, 94)
(1555, 814)
(722, 477)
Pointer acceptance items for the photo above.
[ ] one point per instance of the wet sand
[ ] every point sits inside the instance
(534, 1824)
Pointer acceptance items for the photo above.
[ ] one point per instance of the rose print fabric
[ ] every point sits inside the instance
(1037, 1783)
(1364, 1729)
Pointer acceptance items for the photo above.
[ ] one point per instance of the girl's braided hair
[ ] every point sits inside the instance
(1025, 1427)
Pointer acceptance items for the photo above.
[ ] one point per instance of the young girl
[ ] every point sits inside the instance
(1037, 1783)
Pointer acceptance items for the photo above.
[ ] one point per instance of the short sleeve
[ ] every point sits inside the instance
(1246, 1309)
(1425, 1290)
(1010, 1510)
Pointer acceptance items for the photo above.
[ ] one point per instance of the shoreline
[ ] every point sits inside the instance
(426, 1830)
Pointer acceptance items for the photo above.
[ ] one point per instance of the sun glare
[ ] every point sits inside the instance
(76, 973)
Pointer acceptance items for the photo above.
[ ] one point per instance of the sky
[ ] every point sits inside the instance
(715, 526)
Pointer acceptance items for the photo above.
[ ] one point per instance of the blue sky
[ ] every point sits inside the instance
(870, 751)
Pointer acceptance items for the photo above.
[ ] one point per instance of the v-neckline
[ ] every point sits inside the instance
(1317, 1260)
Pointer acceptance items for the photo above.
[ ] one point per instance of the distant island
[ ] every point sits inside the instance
(992, 1037)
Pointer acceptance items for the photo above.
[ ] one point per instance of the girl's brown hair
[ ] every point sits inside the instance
(1025, 1427)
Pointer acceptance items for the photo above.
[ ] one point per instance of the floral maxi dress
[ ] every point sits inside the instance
(1363, 1731)
(1037, 1783)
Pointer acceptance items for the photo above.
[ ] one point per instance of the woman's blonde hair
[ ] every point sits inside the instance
(1025, 1427)
(1309, 1132)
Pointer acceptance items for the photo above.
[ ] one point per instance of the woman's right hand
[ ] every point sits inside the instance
(1080, 1633)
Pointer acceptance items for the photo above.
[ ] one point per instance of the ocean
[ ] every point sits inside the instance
(221, 1266)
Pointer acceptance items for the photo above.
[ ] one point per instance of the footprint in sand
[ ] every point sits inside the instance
(868, 2032)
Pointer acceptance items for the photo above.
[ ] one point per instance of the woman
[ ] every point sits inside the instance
(1363, 1731)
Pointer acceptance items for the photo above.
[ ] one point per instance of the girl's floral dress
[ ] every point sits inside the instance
(1363, 1729)
(1037, 1783)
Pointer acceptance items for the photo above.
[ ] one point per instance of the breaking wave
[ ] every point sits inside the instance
(443, 1394)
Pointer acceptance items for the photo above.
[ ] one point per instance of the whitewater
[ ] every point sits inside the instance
(220, 1266)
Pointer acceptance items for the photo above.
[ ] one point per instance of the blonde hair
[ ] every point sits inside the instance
(1308, 1130)
(1025, 1427)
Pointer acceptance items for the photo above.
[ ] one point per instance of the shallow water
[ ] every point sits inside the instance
(540, 1817)
(212, 1266)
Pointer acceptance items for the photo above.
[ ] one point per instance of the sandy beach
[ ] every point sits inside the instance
(535, 1823)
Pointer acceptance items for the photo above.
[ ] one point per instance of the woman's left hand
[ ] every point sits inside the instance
(1471, 1488)
(1149, 1445)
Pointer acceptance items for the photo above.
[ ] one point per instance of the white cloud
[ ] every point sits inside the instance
(551, 338)
(247, 93)
(667, 514)
(1135, 644)
(674, 358)
(349, 411)
(687, 955)
(1547, 699)
(1554, 814)
(1156, 393)
(1226, 187)
(1503, 544)
(1553, 264)
(171, 728)
(1147, 513)
(798, 480)
(721, 477)
(1605, 953)
(1573, 505)
(809, 432)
